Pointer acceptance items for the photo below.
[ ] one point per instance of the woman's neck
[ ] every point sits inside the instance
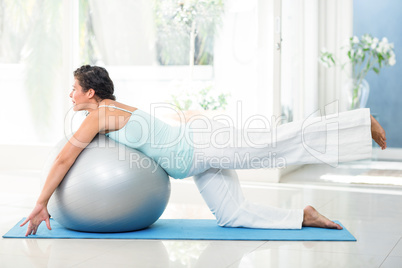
(105, 102)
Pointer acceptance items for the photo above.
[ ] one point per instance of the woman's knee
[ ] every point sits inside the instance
(222, 192)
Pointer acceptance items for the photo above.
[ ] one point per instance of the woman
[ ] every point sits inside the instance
(210, 165)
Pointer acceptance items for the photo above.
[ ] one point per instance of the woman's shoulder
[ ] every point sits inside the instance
(110, 105)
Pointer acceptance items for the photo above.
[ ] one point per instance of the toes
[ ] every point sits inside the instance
(333, 225)
(337, 226)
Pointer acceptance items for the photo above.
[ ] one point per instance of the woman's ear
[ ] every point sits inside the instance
(90, 93)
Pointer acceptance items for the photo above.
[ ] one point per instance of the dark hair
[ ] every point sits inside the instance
(98, 79)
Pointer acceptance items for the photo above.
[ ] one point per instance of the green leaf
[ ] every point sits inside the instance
(377, 71)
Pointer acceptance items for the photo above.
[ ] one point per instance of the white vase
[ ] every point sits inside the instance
(356, 94)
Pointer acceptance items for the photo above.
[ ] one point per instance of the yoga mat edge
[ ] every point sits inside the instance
(190, 229)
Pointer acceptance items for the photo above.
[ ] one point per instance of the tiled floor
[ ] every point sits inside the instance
(372, 213)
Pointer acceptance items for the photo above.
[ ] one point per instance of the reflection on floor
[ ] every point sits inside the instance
(380, 173)
(371, 212)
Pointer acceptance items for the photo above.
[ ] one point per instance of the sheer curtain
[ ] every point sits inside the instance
(244, 64)
(335, 21)
(31, 64)
(124, 31)
(308, 26)
(30, 71)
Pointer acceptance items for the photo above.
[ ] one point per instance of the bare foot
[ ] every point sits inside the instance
(312, 218)
(378, 133)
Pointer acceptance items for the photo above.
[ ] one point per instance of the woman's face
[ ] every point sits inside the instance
(78, 97)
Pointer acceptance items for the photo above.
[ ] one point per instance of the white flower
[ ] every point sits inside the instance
(389, 48)
(375, 43)
(381, 47)
(367, 38)
(385, 47)
(392, 60)
(359, 50)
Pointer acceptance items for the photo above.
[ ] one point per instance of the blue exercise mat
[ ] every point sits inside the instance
(185, 229)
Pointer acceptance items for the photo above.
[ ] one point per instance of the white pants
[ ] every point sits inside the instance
(331, 139)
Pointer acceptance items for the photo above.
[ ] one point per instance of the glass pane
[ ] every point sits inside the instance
(385, 94)
(290, 57)
(30, 64)
(163, 32)
(182, 52)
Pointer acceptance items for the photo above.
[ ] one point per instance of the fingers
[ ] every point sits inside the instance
(383, 144)
(25, 222)
(29, 229)
(381, 141)
(32, 229)
(48, 224)
(28, 232)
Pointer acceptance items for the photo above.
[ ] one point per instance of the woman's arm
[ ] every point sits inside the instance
(63, 162)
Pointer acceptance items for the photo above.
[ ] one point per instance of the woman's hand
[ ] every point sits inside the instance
(38, 214)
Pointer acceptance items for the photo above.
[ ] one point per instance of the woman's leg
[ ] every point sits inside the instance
(331, 140)
(221, 190)
(222, 193)
(337, 138)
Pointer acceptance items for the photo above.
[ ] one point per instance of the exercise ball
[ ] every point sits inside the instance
(110, 188)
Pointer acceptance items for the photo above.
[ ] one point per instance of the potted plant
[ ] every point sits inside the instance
(364, 54)
(205, 101)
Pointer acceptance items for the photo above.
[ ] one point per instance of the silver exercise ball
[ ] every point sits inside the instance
(110, 188)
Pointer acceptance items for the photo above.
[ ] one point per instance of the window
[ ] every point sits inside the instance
(168, 51)
(30, 65)
(150, 58)
(299, 65)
